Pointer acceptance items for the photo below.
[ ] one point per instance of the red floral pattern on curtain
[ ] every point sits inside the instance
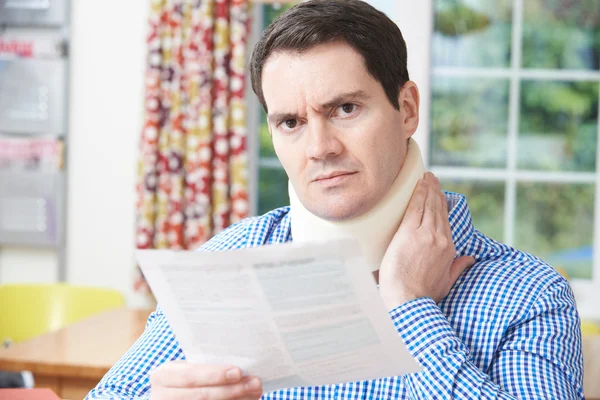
(192, 171)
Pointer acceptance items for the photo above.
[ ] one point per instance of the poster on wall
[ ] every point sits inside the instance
(50, 13)
(32, 184)
(33, 74)
(33, 82)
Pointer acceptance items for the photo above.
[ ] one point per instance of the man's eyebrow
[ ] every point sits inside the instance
(276, 117)
(336, 101)
(345, 97)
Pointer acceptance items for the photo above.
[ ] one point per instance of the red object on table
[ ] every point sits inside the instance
(27, 394)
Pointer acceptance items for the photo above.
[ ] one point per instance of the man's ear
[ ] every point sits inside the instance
(408, 99)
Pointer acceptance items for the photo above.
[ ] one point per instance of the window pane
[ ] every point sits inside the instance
(266, 144)
(273, 189)
(559, 125)
(469, 122)
(272, 186)
(561, 34)
(270, 13)
(556, 223)
(486, 202)
(470, 33)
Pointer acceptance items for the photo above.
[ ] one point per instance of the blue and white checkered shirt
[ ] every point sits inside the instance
(508, 329)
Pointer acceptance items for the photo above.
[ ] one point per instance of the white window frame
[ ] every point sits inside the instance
(415, 19)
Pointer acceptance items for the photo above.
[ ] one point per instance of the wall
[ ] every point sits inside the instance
(106, 118)
(106, 111)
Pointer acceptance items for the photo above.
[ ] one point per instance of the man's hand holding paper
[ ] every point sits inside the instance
(293, 315)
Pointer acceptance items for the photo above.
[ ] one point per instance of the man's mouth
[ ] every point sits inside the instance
(334, 177)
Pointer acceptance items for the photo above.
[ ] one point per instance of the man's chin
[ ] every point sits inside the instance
(338, 212)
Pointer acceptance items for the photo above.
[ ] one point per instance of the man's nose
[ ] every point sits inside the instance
(323, 141)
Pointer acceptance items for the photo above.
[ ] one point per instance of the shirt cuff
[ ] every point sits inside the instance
(420, 323)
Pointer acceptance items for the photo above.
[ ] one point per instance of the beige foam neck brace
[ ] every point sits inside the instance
(374, 229)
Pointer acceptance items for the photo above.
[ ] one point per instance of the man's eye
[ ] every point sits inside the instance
(290, 123)
(348, 108)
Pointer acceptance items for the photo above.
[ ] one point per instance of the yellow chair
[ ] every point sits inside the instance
(29, 310)
(590, 328)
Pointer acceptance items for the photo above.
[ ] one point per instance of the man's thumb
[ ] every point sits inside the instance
(459, 265)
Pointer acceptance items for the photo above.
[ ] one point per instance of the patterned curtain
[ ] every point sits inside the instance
(192, 172)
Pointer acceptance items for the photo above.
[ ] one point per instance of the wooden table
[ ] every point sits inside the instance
(72, 360)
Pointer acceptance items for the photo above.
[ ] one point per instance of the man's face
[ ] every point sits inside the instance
(338, 137)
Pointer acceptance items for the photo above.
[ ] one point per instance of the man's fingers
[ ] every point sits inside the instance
(459, 265)
(429, 213)
(445, 215)
(416, 206)
(186, 375)
(444, 202)
(440, 217)
(247, 388)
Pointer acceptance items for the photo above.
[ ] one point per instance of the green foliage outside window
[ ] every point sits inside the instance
(557, 121)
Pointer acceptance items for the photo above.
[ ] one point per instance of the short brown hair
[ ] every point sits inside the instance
(369, 31)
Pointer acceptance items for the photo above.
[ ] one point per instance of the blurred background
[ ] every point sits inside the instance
(131, 124)
(510, 98)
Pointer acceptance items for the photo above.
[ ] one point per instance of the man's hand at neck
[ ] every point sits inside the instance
(420, 261)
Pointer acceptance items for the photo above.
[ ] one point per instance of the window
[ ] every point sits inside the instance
(514, 121)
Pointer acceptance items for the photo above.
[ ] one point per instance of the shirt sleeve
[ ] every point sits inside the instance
(538, 358)
(130, 377)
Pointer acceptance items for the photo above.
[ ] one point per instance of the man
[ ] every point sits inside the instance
(341, 109)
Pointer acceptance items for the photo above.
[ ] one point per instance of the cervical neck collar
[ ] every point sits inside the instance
(373, 229)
